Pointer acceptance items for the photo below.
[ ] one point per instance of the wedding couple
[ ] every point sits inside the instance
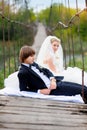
(45, 79)
(35, 78)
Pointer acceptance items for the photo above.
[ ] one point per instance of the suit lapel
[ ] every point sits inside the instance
(31, 71)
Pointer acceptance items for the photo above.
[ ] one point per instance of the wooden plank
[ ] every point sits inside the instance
(41, 114)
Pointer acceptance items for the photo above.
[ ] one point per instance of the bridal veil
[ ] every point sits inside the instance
(46, 50)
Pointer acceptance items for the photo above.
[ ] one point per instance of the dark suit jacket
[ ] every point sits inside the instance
(29, 80)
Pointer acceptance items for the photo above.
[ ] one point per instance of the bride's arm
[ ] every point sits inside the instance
(49, 62)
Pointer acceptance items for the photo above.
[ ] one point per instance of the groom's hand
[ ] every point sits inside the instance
(45, 91)
(53, 84)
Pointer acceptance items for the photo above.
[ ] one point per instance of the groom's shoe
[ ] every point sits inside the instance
(85, 100)
(84, 97)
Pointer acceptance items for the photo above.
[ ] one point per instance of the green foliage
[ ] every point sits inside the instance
(1, 79)
(83, 26)
(13, 22)
(79, 62)
(16, 29)
(58, 12)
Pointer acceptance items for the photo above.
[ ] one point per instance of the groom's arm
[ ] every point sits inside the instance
(47, 91)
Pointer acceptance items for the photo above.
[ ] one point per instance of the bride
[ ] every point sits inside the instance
(51, 57)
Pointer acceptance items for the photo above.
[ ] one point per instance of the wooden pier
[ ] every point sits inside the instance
(20, 113)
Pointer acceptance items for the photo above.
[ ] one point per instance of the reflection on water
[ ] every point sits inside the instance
(77, 57)
(77, 61)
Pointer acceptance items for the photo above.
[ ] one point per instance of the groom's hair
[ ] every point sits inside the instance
(25, 52)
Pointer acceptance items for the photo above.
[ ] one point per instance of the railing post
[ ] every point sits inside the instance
(86, 2)
(3, 32)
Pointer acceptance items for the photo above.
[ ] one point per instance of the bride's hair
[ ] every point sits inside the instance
(54, 39)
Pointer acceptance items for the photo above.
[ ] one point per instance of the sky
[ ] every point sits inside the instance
(42, 4)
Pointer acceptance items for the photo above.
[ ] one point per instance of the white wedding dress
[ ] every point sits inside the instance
(71, 74)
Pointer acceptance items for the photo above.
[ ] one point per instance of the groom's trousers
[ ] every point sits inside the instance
(69, 89)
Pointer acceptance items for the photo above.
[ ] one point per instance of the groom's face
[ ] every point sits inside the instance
(29, 59)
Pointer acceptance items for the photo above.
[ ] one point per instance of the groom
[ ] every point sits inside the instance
(36, 79)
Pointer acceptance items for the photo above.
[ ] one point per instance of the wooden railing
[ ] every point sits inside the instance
(13, 34)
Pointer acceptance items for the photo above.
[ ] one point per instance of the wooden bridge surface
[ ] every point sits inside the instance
(20, 113)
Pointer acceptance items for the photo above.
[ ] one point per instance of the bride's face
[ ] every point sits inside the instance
(55, 46)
